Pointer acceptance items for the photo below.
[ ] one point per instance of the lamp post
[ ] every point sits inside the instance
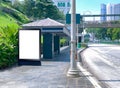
(73, 70)
(84, 24)
(83, 30)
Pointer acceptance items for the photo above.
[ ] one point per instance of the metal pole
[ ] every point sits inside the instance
(77, 35)
(83, 30)
(83, 39)
(73, 70)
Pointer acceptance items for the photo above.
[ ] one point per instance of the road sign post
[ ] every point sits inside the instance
(73, 70)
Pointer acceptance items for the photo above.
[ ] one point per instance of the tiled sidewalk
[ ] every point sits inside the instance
(52, 74)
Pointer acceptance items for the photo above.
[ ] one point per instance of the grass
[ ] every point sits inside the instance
(9, 25)
(12, 14)
(6, 20)
(13, 17)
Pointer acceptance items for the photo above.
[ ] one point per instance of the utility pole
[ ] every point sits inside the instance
(73, 70)
(83, 30)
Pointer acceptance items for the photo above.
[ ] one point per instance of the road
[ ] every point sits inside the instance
(104, 62)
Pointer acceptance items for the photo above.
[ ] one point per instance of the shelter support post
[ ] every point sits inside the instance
(56, 44)
(48, 46)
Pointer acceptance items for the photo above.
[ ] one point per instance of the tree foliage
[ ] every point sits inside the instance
(103, 33)
(38, 9)
(114, 33)
(8, 45)
(18, 6)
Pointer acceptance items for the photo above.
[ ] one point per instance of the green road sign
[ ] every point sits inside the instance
(68, 18)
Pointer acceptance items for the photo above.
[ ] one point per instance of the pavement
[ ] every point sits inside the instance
(52, 74)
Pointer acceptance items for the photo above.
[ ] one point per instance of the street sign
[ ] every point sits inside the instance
(68, 18)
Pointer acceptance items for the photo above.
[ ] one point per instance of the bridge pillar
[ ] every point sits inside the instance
(48, 46)
(56, 44)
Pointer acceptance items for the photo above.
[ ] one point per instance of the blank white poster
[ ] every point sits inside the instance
(29, 44)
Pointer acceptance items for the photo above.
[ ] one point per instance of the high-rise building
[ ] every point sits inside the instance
(103, 12)
(117, 11)
(63, 5)
(110, 9)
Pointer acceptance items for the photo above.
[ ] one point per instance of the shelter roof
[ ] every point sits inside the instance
(44, 23)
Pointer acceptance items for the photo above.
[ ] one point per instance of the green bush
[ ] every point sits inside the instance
(84, 45)
(62, 41)
(8, 45)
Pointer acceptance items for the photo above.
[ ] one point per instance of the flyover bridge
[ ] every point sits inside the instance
(100, 24)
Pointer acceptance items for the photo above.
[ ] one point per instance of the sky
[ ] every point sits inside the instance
(91, 6)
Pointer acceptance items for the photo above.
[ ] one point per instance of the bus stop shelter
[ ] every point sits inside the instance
(51, 31)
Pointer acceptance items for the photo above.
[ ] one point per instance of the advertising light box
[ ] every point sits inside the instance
(29, 44)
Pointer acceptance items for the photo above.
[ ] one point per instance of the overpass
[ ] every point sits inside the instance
(102, 15)
(98, 24)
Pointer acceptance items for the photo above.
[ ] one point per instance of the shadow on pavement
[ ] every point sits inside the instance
(64, 56)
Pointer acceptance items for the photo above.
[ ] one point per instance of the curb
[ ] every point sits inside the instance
(89, 76)
(92, 79)
(78, 54)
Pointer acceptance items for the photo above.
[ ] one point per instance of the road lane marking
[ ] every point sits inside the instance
(91, 79)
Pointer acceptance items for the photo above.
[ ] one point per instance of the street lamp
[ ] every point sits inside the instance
(73, 70)
(84, 24)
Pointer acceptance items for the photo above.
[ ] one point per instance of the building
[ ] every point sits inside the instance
(63, 5)
(103, 12)
(110, 9)
(117, 11)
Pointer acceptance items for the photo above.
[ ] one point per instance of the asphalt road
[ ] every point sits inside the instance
(104, 61)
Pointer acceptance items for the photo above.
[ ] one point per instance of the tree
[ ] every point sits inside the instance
(95, 31)
(38, 9)
(28, 7)
(116, 34)
(18, 5)
(100, 33)
(109, 33)
(53, 12)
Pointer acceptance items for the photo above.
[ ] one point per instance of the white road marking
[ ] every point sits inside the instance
(91, 79)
